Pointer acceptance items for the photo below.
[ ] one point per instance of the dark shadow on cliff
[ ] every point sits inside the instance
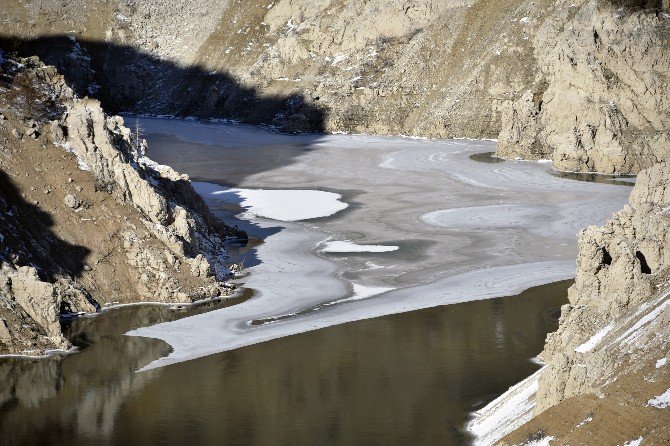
(128, 80)
(29, 240)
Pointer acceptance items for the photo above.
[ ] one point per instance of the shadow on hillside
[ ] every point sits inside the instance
(28, 237)
(126, 79)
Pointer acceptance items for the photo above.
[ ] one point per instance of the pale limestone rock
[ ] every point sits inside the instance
(41, 300)
(71, 201)
(622, 272)
(606, 107)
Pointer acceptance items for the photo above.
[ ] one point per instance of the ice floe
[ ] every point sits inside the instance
(282, 205)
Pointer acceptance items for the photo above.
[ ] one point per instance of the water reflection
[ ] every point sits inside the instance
(487, 157)
(402, 379)
(619, 180)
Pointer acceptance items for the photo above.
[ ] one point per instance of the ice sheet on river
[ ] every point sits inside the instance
(464, 230)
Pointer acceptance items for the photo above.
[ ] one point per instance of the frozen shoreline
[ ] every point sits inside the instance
(228, 329)
(431, 227)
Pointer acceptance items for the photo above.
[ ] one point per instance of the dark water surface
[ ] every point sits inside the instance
(402, 379)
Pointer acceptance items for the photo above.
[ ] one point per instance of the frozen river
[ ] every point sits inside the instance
(357, 227)
(353, 326)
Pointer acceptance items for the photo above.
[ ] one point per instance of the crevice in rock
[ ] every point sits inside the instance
(644, 266)
(607, 258)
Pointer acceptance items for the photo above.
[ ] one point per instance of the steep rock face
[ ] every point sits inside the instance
(609, 357)
(427, 67)
(622, 275)
(101, 223)
(601, 101)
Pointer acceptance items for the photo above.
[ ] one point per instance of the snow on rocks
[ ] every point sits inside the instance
(661, 402)
(506, 413)
(595, 339)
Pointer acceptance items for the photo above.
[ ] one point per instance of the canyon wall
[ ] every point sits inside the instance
(584, 82)
(430, 68)
(600, 99)
(86, 218)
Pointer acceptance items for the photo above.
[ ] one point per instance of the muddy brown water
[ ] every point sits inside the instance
(410, 378)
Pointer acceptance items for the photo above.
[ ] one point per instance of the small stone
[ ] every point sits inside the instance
(2, 117)
(69, 180)
(87, 267)
(16, 133)
(71, 201)
(79, 188)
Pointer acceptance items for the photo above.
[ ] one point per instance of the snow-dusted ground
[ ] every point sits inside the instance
(662, 401)
(464, 230)
(504, 414)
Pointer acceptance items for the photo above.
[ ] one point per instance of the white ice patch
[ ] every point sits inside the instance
(504, 414)
(661, 401)
(541, 442)
(485, 217)
(595, 339)
(636, 442)
(363, 292)
(343, 246)
(661, 362)
(282, 205)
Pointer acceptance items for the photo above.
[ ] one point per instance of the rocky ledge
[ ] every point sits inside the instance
(86, 219)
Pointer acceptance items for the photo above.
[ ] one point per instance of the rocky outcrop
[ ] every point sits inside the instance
(600, 102)
(622, 277)
(86, 218)
(608, 358)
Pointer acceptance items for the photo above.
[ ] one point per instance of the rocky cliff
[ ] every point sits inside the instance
(432, 68)
(606, 366)
(600, 98)
(582, 82)
(85, 218)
